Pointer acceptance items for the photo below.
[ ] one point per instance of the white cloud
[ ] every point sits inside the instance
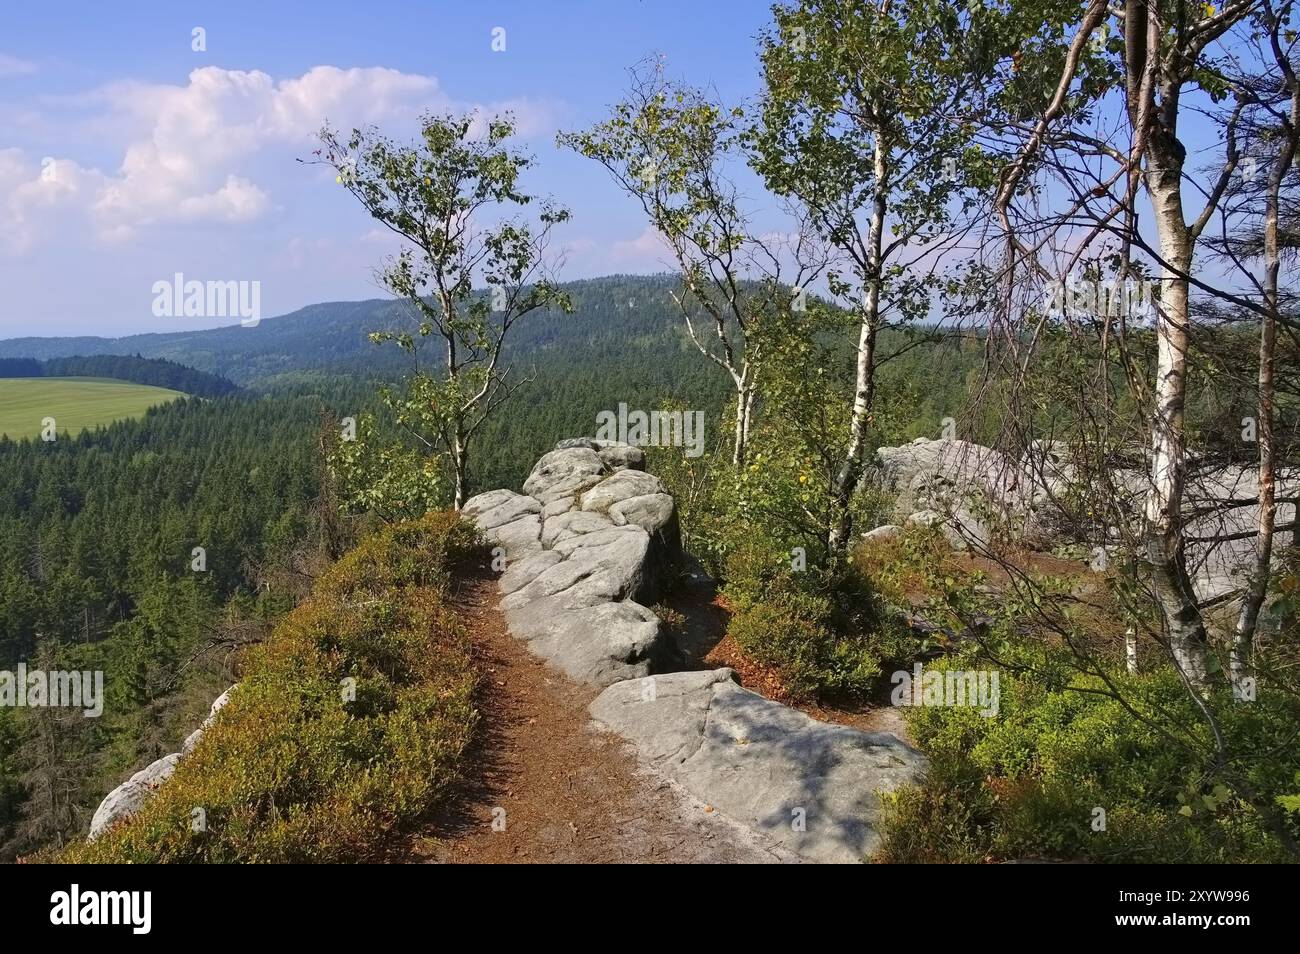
(648, 247)
(199, 154)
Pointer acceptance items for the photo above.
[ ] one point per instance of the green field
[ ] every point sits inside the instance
(74, 403)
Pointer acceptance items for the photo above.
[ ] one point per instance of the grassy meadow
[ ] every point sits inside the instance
(74, 403)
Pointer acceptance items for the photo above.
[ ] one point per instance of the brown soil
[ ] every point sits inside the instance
(571, 793)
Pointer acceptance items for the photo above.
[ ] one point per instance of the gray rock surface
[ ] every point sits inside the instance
(978, 492)
(129, 797)
(765, 765)
(975, 493)
(590, 541)
(589, 544)
(563, 473)
(602, 643)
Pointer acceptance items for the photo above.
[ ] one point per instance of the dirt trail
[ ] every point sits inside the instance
(571, 793)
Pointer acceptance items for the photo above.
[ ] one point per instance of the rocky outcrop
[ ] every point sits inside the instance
(1222, 516)
(975, 494)
(590, 541)
(810, 785)
(587, 545)
(129, 797)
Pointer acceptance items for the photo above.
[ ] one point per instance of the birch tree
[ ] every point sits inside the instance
(1269, 131)
(453, 198)
(673, 148)
(1162, 52)
(862, 126)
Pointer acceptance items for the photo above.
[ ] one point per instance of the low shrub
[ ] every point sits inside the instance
(1029, 782)
(305, 764)
(817, 629)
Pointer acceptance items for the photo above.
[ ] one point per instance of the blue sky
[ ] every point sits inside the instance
(126, 156)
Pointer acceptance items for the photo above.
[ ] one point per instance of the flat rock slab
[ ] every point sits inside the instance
(763, 764)
(600, 644)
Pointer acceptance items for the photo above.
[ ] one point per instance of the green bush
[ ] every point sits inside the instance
(817, 629)
(1026, 783)
(292, 770)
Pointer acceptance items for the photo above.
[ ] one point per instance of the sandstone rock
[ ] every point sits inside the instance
(518, 538)
(960, 528)
(564, 473)
(761, 763)
(507, 512)
(482, 503)
(887, 532)
(616, 454)
(558, 506)
(621, 485)
(129, 797)
(600, 644)
(523, 572)
(571, 524)
(588, 544)
(218, 704)
(657, 515)
(610, 564)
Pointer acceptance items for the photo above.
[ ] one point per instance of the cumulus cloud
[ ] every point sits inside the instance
(197, 154)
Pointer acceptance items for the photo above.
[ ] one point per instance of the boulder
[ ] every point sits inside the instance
(129, 797)
(979, 491)
(508, 511)
(519, 538)
(763, 764)
(592, 540)
(218, 704)
(959, 527)
(564, 473)
(657, 515)
(1220, 501)
(621, 485)
(610, 564)
(524, 571)
(571, 524)
(482, 503)
(616, 454)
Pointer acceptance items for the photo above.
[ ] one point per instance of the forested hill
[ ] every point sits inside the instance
(610, 313)
(155, 372)
(624, 342)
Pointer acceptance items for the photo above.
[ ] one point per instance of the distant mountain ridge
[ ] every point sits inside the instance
(619, 309)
